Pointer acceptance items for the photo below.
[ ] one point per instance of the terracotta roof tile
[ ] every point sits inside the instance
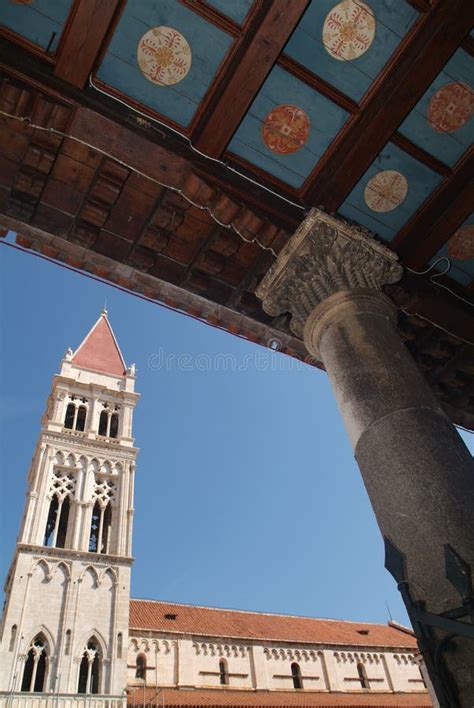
(207, 621)
(274, 699)
(99, 350)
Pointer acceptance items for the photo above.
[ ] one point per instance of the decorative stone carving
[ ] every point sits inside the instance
(324, 256)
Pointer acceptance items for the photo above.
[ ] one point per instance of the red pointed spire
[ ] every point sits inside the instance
(99, 350)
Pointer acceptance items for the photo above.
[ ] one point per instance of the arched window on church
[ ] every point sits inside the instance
(119, 645)
(51, 521)
(69, 417)
(140, 672)
(364, 682)
(296, 675)
(57, 521)
(90, 668)
(95, 524)
(103, 423)
(101, 523)
(106, 524)
(67, 642)
(36, 666)
(62, 524)
(114, 421)
(12, 638)
(81, 418)
(223, 673)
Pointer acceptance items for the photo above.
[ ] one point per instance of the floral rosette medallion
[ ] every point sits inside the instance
(285, 129)
(451, 107)
(385, 191)
(164, 56)
(461, 243)
(349, 30)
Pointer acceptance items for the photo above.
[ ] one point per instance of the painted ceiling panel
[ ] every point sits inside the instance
(390, 192)
(349, 42)
(164, 56)
(460, 251)
(235, 9)
(40, 22)
(441, 122)
(288, 127)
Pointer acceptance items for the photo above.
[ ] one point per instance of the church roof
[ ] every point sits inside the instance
(99, 350)
(238, 624)
(274, 699)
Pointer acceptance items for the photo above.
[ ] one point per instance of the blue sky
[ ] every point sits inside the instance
(247, 494)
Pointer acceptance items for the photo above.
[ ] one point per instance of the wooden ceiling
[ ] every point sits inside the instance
(131, 131)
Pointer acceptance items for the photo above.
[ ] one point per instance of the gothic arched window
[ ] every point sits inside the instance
(62, 524)
(51, 521)
(223, 673)
(140, 672)
(81, 418)
(364, 682)
(114, 421)
(95, 524)
(296, 674)
(56, 529)
(119, 645)
(67, 642)
(12, 638)
(90, 668)
(103, 423)
(106, 524)
(69, 417)
(36, 665)
(101, 522)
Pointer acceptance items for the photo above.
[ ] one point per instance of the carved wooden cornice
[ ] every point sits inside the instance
(324, 256)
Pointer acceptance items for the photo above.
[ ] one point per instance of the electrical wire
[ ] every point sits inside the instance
(440, 275)
(192, 146)
(443, 329)
(205, 207)
(177, 190)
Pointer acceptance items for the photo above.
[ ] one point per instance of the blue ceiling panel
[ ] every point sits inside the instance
(396, 195)
(441, 122)
(237, 10)
(324, 117)
(40, 22)
(206, 48)
(460, 251)
(352, 76)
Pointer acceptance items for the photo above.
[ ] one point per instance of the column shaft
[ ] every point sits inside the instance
(417, 471)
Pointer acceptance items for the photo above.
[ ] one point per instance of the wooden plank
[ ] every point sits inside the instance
(421, 155)
(83, 39)
(421, 57)
(245, 74)
(124, 145)
(439, 217)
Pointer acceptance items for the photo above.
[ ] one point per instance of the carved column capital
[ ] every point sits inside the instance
(324, 256)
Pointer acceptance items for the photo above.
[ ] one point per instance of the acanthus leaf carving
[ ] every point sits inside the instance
(324, 256)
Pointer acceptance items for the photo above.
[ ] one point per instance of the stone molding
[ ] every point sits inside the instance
(324, 256)
(102, 559)
(338, 307)
(290, 654)
(78, 444)
(219, 649)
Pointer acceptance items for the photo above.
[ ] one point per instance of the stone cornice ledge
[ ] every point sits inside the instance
(324, 256)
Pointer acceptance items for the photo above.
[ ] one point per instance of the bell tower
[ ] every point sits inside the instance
(65, 624)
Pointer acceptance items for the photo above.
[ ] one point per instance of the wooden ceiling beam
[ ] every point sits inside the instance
(83, 40)
(421, 57)
(259, 49)
(439, 217)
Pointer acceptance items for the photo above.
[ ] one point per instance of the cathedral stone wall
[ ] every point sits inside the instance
(172, 660)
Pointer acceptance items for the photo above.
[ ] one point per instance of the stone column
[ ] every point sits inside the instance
(417, 471)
